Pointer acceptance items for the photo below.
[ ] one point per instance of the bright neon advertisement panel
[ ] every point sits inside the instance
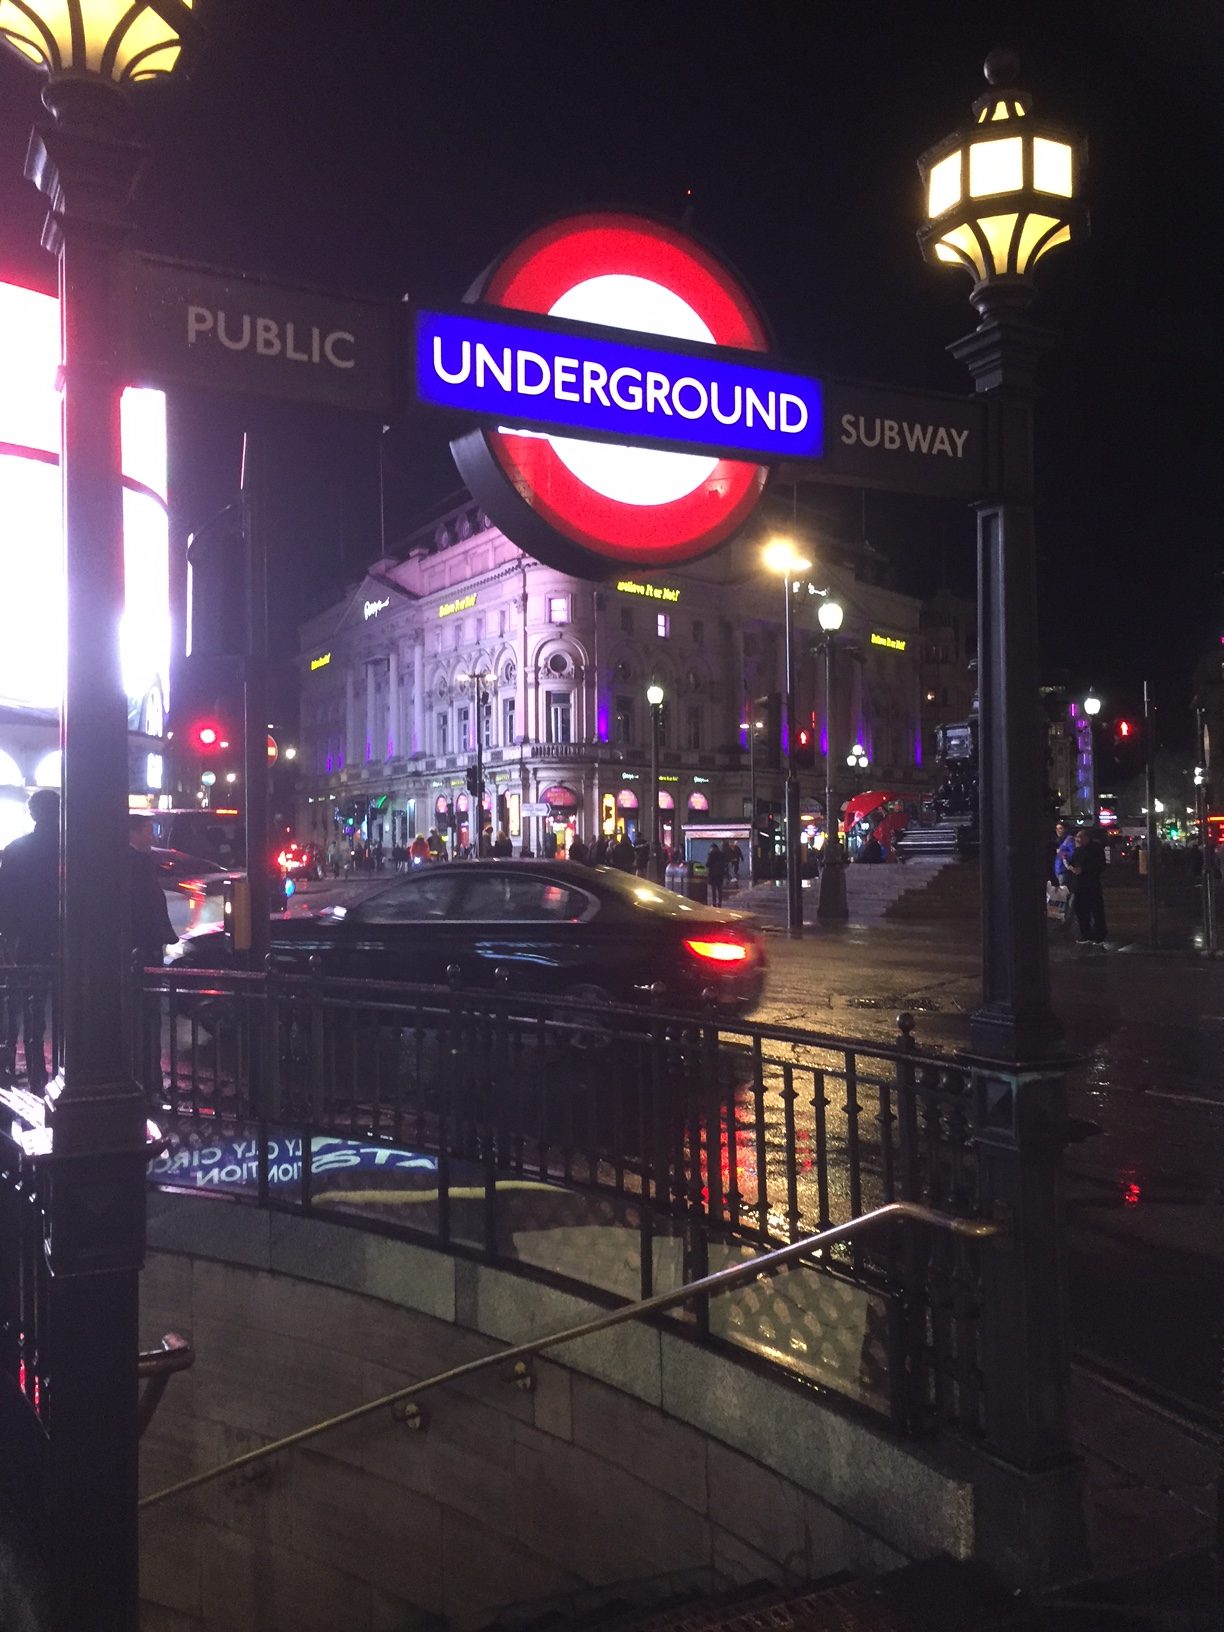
(32, 608)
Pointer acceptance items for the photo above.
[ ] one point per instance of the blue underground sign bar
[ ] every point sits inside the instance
(563, 377)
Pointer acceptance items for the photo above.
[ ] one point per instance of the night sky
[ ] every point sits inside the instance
(400, 149)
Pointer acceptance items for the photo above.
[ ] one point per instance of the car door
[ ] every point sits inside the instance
(536, 927)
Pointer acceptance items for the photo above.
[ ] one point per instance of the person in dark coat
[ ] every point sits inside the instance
(599, 855)
(29, 927)
(1087, 866)
(716, 874)
(578, 851)
(622, 854)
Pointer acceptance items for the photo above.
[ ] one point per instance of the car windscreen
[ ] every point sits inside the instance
(640, 895)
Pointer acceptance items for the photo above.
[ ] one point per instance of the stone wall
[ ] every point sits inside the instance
(641, 1464)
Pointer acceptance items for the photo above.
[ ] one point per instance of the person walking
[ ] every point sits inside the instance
(1064, 846)
(578, 851)
(29, 929)
(622, 854)
(716, 874)
(1087, 866)
(599, 855)
(502, 847)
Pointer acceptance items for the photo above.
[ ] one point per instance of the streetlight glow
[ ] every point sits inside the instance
(780, 555)
(830, 616)
(654, 695)
(1092, 705)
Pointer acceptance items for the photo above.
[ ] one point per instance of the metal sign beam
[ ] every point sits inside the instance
(212, 330)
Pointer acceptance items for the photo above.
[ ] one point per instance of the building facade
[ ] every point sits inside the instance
(460, 636)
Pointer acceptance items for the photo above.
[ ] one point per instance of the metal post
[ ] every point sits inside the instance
(831, 904)
(1016, 1020)
(656, 848)
(794, 883)
(255, 713)
(86, 165)
(1151, 836)
(752, 794)
(479, 795)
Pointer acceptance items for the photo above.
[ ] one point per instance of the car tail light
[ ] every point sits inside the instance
(720, 951)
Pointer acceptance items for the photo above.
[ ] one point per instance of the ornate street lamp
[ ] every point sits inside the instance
(997, 196)
(831, 904)
(93, 1143)
(654, 696)
(781, 556)
(1002, 193)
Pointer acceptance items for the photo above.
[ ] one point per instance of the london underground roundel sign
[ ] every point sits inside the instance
(649, 476)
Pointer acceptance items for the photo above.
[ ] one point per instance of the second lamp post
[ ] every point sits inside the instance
(654, 696)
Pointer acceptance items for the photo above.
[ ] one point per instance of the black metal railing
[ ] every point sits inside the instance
(626, 1150)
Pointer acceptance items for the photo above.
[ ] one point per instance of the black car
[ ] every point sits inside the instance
(557, 928)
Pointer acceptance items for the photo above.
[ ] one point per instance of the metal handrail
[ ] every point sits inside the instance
(762, 1264)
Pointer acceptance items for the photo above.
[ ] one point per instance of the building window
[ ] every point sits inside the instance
(559, 717)
(698, 632)
(463, 729)
(693, 735)
(622, 733)
(558, 608)
(503, 620)
(664, 625)
(442, 733)
(486, 725)
(507, 721)
(626, 620)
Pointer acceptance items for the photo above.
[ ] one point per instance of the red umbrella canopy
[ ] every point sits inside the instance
(864, 803)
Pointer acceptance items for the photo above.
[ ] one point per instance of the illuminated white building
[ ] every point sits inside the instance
(32, 605)
(390, 679)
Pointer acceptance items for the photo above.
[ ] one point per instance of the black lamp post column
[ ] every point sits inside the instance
(87, 165)
(656, 737)
(794, 881)
(1016, 1021)
(831, 905)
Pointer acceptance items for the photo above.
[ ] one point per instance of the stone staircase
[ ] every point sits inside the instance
(872, 892)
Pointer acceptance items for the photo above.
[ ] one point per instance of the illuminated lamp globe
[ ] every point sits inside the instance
(1092, 705)
(654, 696)
(115, 41)
(830, 617)
(1001, 193)
(780, 555)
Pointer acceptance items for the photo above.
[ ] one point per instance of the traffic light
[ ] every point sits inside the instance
(206, 737)
(472, 780)
(1125, 730)
(805, 745)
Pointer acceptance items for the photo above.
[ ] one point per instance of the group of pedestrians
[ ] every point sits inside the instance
(1078, 866)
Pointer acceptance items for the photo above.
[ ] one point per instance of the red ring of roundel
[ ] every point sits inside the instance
(532, 278)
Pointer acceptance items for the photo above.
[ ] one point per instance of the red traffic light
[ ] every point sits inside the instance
(1124, 728)
(205, 736)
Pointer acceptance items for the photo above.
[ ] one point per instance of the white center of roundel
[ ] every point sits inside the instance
(644, 476)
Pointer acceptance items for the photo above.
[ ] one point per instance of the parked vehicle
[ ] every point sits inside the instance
(298, 860)
(591, 933)
(193, 886)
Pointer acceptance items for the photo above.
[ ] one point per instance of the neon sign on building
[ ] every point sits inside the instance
(32, 603)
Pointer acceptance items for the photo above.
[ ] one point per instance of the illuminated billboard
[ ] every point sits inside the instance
(32, 612)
